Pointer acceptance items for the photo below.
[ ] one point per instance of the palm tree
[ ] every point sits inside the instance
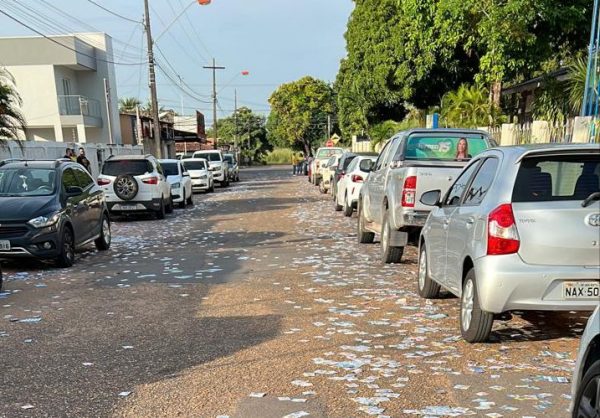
(12, 121)
(469, 107)
(128, 104)
(576, 83)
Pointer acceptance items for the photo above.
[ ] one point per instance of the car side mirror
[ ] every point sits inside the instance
(431, 198)
(186, 174)
(74, 191)
(366, 166)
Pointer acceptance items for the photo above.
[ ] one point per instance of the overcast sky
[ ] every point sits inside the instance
(275, 40)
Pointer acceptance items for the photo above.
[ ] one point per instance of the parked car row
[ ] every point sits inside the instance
(502, 228)
(224, 166)
(49, 209)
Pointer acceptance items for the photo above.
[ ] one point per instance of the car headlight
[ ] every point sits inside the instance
(204, 177)
(175, 185)
(45, 221)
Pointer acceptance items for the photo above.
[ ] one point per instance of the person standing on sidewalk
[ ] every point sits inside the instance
(294, 163)
(82, 159)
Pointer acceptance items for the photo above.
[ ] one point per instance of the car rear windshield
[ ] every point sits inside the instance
(329, 152)
(229, 159)
(446, 147)
(126, 167)
(556, 178)
(24, 182)
(194, 165)
(209, 156)
(170, 169)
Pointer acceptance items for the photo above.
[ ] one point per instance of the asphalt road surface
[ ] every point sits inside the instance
(258, 302)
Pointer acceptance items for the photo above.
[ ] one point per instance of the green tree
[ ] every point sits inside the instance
(12, 121)
(469, 107)
(576, 83)
(299, 112)
(128, 104)
(249, 130)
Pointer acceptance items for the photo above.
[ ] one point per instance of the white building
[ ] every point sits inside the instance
(62, 85)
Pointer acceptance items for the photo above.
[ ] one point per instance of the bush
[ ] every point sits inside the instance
(279, 156)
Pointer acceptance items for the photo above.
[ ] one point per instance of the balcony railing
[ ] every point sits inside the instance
(79, 105)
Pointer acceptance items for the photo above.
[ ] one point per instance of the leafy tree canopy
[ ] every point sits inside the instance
(249, 130)
(299, 112)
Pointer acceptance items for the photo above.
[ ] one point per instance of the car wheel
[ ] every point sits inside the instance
(183, 202)
(191, 200)
(364, 236)
(317, 181)
(587, 398)
(212, 188)
(389, 254)
(105, 238)
(347, 208)
(66, 257)
(161, 212)
(237, 179)
(169, 207)
(126, 187)
(475, 324)
(337, 206)
(427, 288)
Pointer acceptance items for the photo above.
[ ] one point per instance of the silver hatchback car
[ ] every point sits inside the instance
(518, 230)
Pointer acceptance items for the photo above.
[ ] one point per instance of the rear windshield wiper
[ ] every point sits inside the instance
(588, 200)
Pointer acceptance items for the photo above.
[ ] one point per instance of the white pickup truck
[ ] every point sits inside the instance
(411, 163)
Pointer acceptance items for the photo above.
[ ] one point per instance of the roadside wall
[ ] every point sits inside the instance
(45, 150)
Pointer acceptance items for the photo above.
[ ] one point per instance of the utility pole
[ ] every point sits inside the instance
(108, 115)
(235, 118)
(328, 126)
(180, 93)
(214, 69)
(156, 143)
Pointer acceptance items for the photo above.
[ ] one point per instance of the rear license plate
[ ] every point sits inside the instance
(4, 245)
(126, 207)
(581, 290)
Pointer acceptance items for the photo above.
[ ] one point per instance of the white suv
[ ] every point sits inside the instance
(135, 183)
(217, 165)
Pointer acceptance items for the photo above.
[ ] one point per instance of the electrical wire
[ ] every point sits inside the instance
(189, 38)
(186, 92)
(198, 37)
(113, 13)
(63, 45)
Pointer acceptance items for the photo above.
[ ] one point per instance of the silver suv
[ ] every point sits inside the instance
(518, 230)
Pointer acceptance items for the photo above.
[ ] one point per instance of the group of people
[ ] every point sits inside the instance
(70, 154)
(298, 164)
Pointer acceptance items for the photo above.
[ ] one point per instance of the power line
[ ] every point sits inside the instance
(187, 35)
(186, 92)
(202, 44)
(66, 46)
(113, 13)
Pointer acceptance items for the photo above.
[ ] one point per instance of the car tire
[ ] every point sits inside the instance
(161, 212)
(586, 391)
(190, 200)
(389, 254)
(66, 257)
(426, 287)
(225, 184)
(126, 187)
(475, 323)
(103, 241)
(169, 207)
(348, 210)
(337, 206)
(184, 201)
(317, 181)
(364, 237)
(212, 188)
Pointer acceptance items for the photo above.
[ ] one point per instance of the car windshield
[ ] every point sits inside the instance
(194, 165)
(328, 152)
(556, 178)
(209, 156)
(24, 181)
(446, 147)
(229, 159)
(126, 167)
(170, 169)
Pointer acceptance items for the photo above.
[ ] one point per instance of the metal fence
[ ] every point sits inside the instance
(79, 105)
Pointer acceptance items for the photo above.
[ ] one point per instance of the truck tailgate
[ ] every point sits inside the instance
(432, 176)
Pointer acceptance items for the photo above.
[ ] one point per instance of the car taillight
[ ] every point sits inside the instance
(150, 180)
(503, 237)
(340, 175)
(103, 182)
(409, 192)
(357, 179)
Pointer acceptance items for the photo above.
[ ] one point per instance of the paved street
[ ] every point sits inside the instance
(261, 289)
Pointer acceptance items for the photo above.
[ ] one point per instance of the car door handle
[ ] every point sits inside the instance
(470, 221)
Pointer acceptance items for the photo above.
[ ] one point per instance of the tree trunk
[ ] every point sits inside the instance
(307, 150)
(496, 93)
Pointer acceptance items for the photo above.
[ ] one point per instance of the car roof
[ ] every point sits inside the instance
(519, 151)
(50, 164)
(194, 159)
(442, 130)
(129, 157)
(169, 160)
(209, 150)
